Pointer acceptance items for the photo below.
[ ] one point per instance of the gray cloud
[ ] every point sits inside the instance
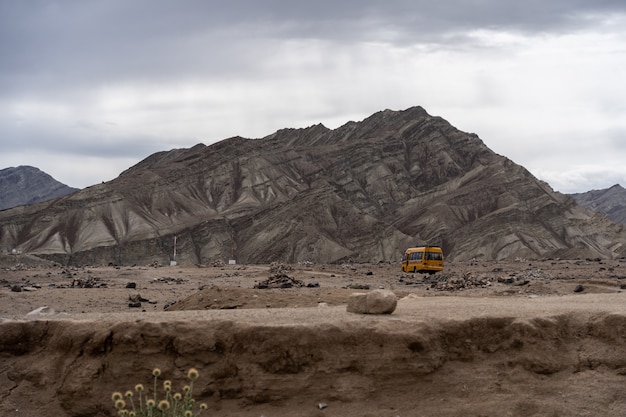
(119, 80)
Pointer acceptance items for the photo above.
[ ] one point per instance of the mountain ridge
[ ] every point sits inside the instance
(609, 201)
(25, 184)
(362, 192)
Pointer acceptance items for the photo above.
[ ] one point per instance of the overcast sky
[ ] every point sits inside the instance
(90, 87)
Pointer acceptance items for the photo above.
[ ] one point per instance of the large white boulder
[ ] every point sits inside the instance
(373, 302)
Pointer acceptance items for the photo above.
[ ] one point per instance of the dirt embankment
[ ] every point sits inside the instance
(547, 339)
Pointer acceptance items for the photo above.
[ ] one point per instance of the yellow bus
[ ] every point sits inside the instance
(423, 259)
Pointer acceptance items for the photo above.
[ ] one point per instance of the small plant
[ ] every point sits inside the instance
(152, 405)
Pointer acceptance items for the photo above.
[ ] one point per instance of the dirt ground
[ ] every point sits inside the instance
(484, 338)
(104, 289)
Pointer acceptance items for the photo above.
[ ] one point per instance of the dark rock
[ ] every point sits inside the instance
(579, 288)
(16, 288)
(131, 285)
(134, 304)
(358, 287)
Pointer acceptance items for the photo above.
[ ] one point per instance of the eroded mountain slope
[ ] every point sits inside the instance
(364, 191)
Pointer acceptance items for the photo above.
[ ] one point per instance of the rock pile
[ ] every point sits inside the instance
(279, 278)
(455, 283)
(89, 282)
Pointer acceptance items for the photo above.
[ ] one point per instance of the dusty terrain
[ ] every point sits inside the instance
(523, 338)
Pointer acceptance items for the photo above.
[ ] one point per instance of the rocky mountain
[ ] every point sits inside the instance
(28, 185)
(364, 192)
(611, 202)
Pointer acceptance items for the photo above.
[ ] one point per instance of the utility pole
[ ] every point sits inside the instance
(173, 261)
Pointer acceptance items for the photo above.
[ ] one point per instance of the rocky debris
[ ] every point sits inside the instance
(89, 282)
(155, 264)
(279, 278)
(131, 285)
(469, 280)
(135, 299)
(358, 287)
(16, 288)
(281, 281)
(466, 281)
(374, 302)
(579, 288)
(169, 280)
(513, 280)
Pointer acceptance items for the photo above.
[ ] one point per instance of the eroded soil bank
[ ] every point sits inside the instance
(434, 356)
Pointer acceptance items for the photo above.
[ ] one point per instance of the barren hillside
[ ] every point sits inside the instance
(364, 192)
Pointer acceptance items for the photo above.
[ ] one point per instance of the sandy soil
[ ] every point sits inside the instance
(524, 338)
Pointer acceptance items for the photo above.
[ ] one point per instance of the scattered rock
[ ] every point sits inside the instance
(579, 288)
(131, 285)
(89, 282)
(16, 288)
(374, 302)
(358, 287)
(468, 280)
(279, 278)
(169, 280)
(135, 304)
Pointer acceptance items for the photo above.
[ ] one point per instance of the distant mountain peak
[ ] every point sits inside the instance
(26, 184)
(609, 201)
